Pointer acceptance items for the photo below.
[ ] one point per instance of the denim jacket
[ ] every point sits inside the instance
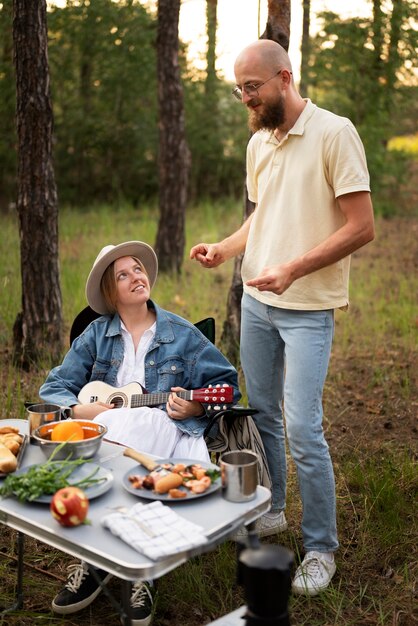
(179, 356)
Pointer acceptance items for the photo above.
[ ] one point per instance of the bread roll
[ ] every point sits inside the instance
(13, 446)
(11, 437)
(12, 441)
(8, 461)
(167, 482)
(8, 429)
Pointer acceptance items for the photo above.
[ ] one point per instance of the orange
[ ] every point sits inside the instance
(67, 431)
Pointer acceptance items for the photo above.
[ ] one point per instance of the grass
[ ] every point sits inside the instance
(370, 403)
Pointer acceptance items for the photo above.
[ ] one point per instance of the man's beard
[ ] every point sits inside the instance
(272, 117)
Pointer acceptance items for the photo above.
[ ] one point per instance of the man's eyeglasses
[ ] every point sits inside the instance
(251, 90)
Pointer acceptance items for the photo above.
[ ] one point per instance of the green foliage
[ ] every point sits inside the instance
(104, 92)
(84, 231)
(102, 60)
(365, 69)
(217, 135)
(102, 64)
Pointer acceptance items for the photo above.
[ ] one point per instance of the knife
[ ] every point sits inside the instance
(148, 462)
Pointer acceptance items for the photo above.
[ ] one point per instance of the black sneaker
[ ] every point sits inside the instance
(80, 590)
(141, 604)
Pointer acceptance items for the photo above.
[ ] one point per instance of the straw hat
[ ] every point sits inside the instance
(106, 256)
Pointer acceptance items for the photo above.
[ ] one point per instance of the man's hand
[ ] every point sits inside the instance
(213, 254)
(356, 232)
(91, 410)
(208, 254)
(276, 279)
(179, 409)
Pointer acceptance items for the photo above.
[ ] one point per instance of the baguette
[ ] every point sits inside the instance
(8, 461)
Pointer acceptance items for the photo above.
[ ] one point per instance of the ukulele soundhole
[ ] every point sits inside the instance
(118, 400)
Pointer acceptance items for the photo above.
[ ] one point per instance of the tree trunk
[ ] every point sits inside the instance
(174, 155)
(394, 60)
(277, 29)
(305, 49)
(211, 79)
(37, 329)
(278, 22)
(232, 325)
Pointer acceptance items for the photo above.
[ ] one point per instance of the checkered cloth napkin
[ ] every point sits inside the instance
(155, 530)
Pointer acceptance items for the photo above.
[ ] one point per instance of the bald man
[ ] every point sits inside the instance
(307, 175)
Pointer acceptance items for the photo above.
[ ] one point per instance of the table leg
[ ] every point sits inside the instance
(124, 609)
(126, 590)
(106, 591)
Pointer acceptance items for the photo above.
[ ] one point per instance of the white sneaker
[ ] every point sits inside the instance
(268, 524)
(313, 574)
(271, 523)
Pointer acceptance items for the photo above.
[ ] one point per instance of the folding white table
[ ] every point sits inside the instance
(96, 545)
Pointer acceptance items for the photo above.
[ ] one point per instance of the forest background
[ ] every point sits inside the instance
(102, 62)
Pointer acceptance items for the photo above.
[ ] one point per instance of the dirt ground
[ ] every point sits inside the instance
(371, 399)
(364, 396)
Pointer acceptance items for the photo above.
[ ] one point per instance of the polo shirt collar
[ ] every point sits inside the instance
(298, 127)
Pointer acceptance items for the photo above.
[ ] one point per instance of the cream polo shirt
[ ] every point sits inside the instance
(295, 184)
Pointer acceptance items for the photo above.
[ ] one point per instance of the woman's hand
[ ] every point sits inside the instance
(179, 409)
(90, 411)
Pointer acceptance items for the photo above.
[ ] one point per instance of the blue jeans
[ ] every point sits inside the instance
(285, 355)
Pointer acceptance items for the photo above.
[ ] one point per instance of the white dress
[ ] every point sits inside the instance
(147, 429)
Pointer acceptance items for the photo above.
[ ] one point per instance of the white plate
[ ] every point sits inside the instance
(148, 494)
(82, 471)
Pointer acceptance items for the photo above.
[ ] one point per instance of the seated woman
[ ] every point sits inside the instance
(135, 340)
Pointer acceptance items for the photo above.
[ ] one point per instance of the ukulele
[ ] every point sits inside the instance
(134, 395)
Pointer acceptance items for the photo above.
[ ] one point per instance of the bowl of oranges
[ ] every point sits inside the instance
(73, 438)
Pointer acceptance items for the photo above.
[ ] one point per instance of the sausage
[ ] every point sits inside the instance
(167, 482)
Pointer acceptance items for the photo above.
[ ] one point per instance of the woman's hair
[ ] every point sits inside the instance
(108, 284)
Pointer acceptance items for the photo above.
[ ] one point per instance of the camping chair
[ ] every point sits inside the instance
(235, 430)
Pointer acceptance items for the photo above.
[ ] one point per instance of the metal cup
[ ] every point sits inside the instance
(39, 414)
(239, 474)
